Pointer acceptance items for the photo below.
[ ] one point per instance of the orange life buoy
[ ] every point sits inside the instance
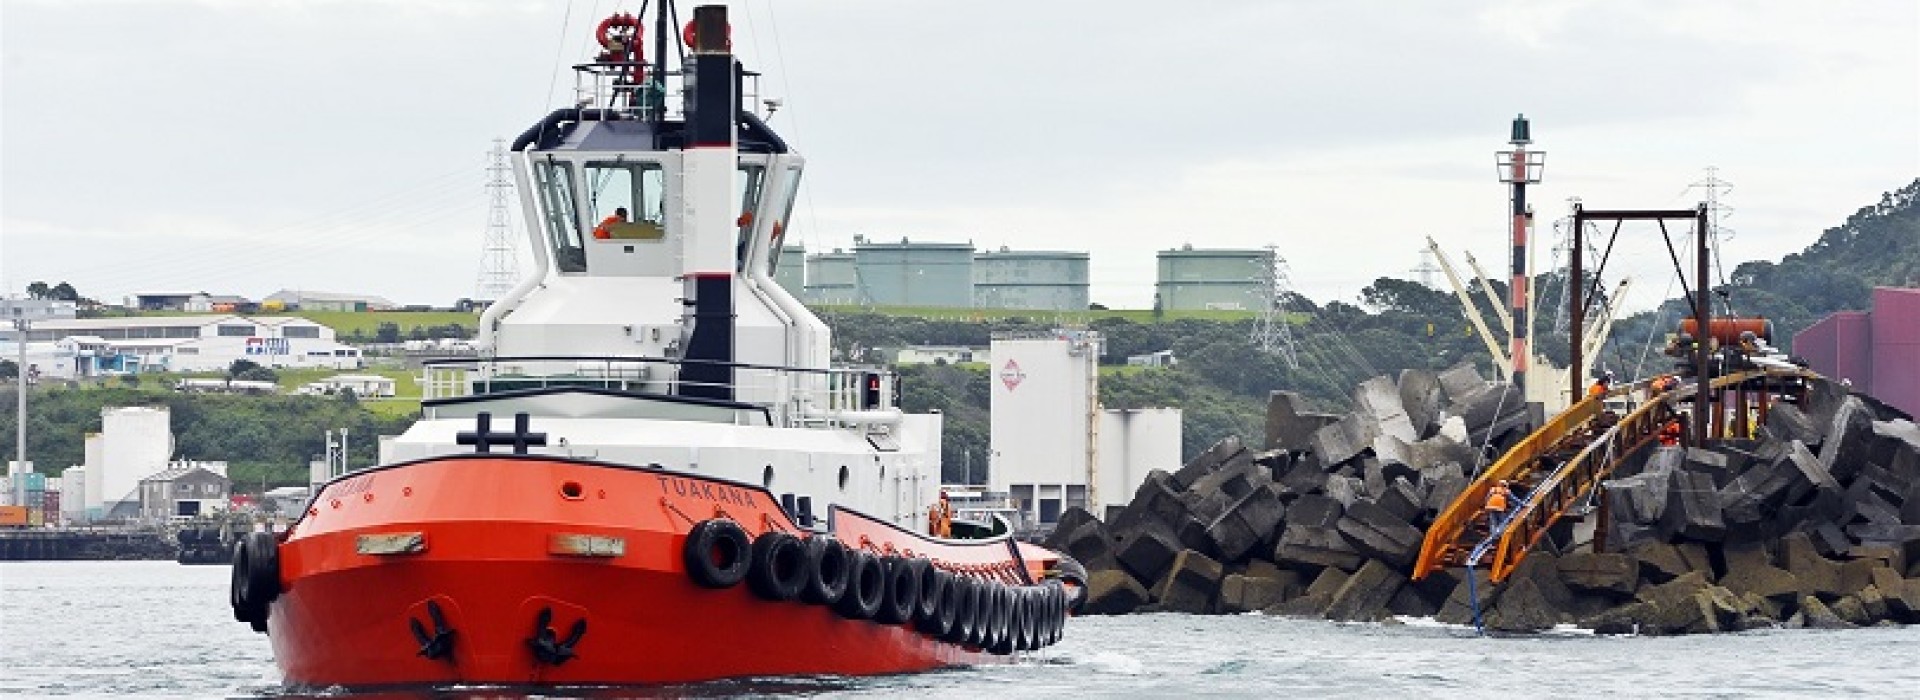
(687, 35)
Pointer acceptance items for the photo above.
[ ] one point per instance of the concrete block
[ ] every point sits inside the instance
(1241, 593)
(1315, 512)
(1364, 595)
(1402, 499)
(1459, 605)
(1522, 608)
(1459, 381)
(1190, 585)
(1148, 552)
(1289, 425)
(1327, 583)
(1693, 508)
(1310, 549)
(1113, 593)
(1091, 545)
(1776, 585)
(1611, 574)
(1846, 446)
(1344, 489)
(1215, 456)
(1787, 423)
(1343, 440)
(1375, 532)
(1235, 477)
(1246, 524)
(1817, 615)
(1378, 399)
(1659, 562)
(1421, 396)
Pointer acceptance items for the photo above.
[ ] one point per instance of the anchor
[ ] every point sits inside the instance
(438, 645)
(547, 647)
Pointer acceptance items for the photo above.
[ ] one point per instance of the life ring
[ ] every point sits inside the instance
(901, 594)
(716, 553)
(956, 610)
(827, 571)
(778, 567)
(687, 36)
(933, 593)
(866, 586)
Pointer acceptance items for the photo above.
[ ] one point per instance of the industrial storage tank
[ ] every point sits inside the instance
(789, 270)
(135, 442)
(830, 279)
(1030, 279)
(914, 274)
(1219, 278)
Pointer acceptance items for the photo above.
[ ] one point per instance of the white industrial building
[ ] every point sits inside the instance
(92, 347)
(1053, 445)
(73, 494)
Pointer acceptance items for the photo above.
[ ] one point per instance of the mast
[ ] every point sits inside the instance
(1519, 169)
(709, 161)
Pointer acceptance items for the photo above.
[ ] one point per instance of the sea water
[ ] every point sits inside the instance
(162, 630)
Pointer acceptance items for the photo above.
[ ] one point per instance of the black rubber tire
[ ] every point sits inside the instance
(263, 570)
(1062, 601)
(994, 622)
(866, 587)
(1033, 605)
(717, 553)
(827, 571)
(901, 595)
(980, 607)
(1004, 622)
(237, 585)
(933, 594)
(778, 567)
(956, 615)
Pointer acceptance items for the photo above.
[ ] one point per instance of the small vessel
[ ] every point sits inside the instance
(653, 473)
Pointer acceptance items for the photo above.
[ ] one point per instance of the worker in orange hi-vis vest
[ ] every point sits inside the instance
(940, 517)
(1498, 499)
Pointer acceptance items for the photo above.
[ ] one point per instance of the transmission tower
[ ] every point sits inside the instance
(1271, 331)
(1423, 273)
(1712, 189)
(499, 264)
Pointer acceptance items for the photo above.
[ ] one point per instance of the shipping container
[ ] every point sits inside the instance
(34, 518)
(13, 516)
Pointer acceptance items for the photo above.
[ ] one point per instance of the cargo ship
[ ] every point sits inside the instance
(653, 473)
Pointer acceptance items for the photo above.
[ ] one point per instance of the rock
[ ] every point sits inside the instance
(1816, 615)
(1240, 593)
(1364, 595)
(1459, 605)
(1309, 605)
(1611, 574)
(1874, 604)
(1693, 508)
(1409, 602)
(1671, 605)
(1720, 610)
(1849, 608)
(1113, 593)
(1375, 532)
(1289, 426)
(1149, 552)
(1189, 586)
(1902, 595)
(1659, 562)
(1627, 618)
(1816, 575)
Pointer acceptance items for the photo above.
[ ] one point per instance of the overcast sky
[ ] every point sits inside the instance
(244, 146)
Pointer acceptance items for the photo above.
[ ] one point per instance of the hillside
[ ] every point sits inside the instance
(1878, 246)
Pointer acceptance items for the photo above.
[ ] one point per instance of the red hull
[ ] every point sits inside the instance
(489, 561)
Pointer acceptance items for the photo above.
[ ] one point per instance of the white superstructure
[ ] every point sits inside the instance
(651, 331)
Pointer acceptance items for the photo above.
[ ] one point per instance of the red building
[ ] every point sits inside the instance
(1878, 350)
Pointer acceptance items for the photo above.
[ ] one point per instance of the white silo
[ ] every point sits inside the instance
(1221, 279)
(1044, 420)
(135, 443)
(1134, 441)
(1037, 280)
(73, 492)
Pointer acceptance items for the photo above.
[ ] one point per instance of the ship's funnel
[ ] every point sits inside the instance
(710, 163)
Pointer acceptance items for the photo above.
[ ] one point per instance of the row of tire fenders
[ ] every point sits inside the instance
(889, 589)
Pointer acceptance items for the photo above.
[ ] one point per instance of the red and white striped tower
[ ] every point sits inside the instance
(1519, 168)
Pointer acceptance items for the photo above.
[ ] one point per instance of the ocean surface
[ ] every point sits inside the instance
(161, 630)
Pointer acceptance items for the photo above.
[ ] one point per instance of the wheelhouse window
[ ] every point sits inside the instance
(752, 179)
(555, 182)
(636, 187)
(785, 222)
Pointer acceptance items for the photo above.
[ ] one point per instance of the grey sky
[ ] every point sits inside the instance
(242, 146)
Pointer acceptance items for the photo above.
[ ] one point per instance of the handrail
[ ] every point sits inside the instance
(1445, 531)
(1579, 476)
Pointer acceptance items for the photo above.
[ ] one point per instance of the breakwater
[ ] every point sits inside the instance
(58, 544)
(1815, 521)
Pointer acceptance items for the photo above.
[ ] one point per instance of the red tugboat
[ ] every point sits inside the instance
(622, 488)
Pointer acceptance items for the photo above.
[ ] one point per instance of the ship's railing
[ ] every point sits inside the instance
(612, 85)
(795, 397)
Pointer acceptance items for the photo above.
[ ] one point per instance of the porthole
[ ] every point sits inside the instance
(766, 476)
(844, 474)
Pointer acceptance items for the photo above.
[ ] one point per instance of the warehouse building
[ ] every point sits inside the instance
(93, 347)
